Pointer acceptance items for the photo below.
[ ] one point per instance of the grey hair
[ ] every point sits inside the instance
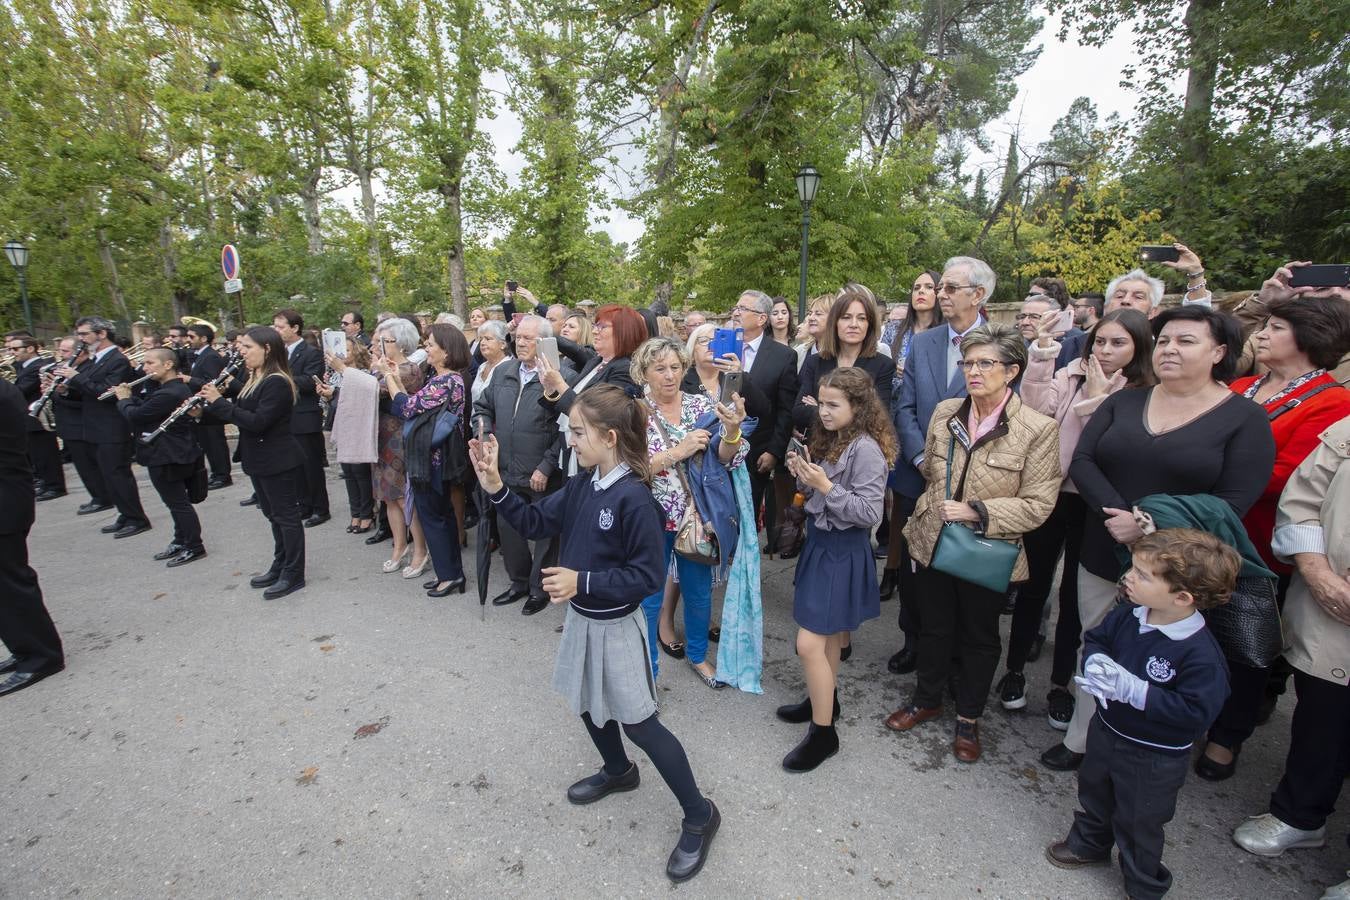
(98, 323)
(545, 329)
(1155, 285)
(449, 318)
(403, 332)
(980, 274)
(707, 328)
(1005, 339)
(496, 328)
(763, 302)
(652, 350)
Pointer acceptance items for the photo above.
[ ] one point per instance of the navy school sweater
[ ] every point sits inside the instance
(1187, 681)
(613, 537)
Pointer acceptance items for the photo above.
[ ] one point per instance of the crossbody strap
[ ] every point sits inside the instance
(1294, 402)
(665, 439)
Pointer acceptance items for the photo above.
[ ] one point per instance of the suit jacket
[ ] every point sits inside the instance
(145, 413)
(267, 444)
(29, 382)
(775, 374)
(756, 404)
(69, 412)
(205, 366)
(306, 362)
(924, 386)
(16, 476)
(103, 424)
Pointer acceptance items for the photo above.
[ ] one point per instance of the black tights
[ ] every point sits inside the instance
(665, 752)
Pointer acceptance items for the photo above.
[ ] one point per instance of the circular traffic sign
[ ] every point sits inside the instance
(229, 261)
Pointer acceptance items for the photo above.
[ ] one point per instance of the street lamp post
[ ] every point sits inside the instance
(18, 258)
(808, 182)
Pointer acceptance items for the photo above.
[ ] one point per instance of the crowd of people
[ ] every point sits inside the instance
(1178, 468)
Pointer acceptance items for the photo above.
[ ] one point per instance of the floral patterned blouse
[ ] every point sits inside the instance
(440, 390)
(666, 488)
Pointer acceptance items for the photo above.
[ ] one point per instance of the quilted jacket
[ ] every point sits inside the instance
(1011, 475)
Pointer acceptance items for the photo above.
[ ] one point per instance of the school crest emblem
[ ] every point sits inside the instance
(1160, 670)
(606, 519)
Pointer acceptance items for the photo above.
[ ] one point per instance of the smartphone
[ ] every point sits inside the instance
(1334, 275)
(1159, 253)
(732, 382)
(797, 447)
(1065, 322)
(548, 349)
(334, 342)
(727, 340)
(511, 286)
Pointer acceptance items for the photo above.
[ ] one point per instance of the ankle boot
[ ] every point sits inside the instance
(797, 713)
(890, 583)
(821, 742)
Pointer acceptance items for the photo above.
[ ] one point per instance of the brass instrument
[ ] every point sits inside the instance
(194, 320)
(41, 408)
(111, 392)
(9, 364)
(135, 355)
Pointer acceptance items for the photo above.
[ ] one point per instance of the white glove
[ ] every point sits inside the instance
(1115, 681)
(1091, 687)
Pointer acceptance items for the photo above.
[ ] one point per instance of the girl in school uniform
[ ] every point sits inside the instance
(843, 476)
(610, 558)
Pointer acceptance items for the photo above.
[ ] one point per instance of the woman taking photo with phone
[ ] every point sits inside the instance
(395, 339)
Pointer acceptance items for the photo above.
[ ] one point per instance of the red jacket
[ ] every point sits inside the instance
(1296, 432)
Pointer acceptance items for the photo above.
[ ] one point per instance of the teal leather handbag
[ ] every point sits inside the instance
(967, 554)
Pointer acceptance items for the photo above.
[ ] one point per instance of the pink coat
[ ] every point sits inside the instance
(1060, 396)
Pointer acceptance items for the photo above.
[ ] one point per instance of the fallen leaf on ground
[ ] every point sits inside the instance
(372, 728)
(160, 594)
(308, 776)
(326, 647)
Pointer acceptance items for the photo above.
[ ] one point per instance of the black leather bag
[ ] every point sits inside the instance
(1247, 627)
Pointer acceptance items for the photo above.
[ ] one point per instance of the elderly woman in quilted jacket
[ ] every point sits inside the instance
(1004, 479)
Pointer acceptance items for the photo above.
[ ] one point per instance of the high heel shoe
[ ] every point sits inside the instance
(362, 529)
(890, 583)
(415, 570)
(390, 566)
(451, 587)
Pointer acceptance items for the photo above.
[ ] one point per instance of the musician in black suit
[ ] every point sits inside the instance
(70, 428)
(25, 626)
(43, 452)
(104, 427)
(772, 368)
(268, 452)
(173, 459)
(306, 365)
(206, 364)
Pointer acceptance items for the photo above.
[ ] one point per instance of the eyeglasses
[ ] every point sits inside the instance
(983, 365)
(602, 326)
(1033, 317)
(947, 287)
(749, 309)
(388, 340)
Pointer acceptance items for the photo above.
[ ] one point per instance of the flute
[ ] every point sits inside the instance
(108, 394)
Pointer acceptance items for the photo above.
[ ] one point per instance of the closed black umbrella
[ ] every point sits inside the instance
(483, 547)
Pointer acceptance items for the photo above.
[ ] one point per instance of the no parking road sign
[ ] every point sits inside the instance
(229, 267)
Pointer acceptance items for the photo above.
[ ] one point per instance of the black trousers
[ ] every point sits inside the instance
(1127, 793)
(442, 532)
(314, 496)
(1062, 531)
(761, 495)
(45, 456)
(114, 464)
(902, 508)
(171, 483)
(211, 438)
(959, 627)
(278, 500)
(360, 496)
(1319, 754)
(25, 625)
(524, 567)
(86, 466)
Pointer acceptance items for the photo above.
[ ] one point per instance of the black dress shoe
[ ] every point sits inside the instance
(452, 587)
(1210, 770)
(168, 552)
(93, 506)
(904, 662)
(8, 665)
(17, 681)
(316, 519)
(381, 534)
(1061, 758)
(187, 556)
(266, 579)
(361, 529)
(797, 713)
(534, 605)
(216, 483)
(602, 784)
(428, 585)
(282, 588)
(845, 652)
(251, 500)
(49, 494)
(821, 742)
(507, 597)
(131, 529)
(890, 583)
(685, 864)
(114, 526)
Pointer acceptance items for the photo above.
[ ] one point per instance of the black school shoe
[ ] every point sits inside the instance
(602, 784)
(685, 864)
(1061, 758)
(797, 713)
(821, 742)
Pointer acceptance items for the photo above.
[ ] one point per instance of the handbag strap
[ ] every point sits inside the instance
(665, 439)
(1293, 402)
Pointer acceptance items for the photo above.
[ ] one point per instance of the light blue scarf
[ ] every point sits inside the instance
(740, 652)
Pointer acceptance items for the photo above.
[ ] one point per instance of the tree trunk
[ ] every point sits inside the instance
(169, 258)
(363, 174)
(309, 198)
(105, 256)
(1202, 71)
(454, 213)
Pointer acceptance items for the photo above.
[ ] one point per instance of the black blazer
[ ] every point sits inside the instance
(29, 382)
(816, 367)
(16, 476)
(146, 412)
(306, 362)
(616, 373)
(756, 404)
(69, 413)
(775, 375)
(103, 424)
(267, 444)
(206, 366)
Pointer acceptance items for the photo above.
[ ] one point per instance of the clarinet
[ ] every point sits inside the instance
(231, 368)
(40, 408)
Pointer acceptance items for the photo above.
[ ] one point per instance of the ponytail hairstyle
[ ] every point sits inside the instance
(275, 362)
(607, 407)
(869, 417)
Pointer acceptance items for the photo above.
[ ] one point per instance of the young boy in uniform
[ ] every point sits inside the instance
(1160, 680)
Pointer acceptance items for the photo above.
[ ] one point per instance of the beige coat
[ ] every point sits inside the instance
(1013, 479)
(1314, 516)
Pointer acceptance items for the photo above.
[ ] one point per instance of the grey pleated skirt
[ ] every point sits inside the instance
(603, 668)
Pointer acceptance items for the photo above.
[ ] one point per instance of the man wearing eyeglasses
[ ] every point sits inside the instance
(1042, 313)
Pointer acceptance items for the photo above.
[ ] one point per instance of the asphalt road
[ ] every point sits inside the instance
(359, 739)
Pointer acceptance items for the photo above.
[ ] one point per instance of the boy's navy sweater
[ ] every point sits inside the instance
(613, 537)
(1187, 681)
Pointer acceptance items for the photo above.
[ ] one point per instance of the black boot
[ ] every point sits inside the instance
(821, 742)
(797, 713)
(890, 583)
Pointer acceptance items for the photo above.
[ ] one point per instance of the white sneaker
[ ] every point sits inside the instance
(1267, 836)
(1338, 891)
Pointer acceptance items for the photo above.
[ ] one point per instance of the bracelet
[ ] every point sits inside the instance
(728, 439)
(1195, 274)
(1198, 286)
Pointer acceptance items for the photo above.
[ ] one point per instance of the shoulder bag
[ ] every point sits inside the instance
(967, 554)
